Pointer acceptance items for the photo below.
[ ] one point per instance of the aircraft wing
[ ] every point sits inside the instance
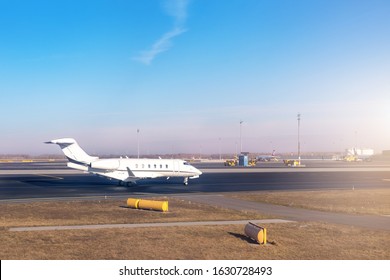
(131, 174)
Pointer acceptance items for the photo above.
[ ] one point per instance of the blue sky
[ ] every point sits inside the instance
(185, 72)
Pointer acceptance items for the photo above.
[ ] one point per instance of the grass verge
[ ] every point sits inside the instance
(111, 211)
(289, 241)
(228, 242)
(370, 202)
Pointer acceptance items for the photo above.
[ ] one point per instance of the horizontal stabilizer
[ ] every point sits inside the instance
(63, 141)
(73, 151)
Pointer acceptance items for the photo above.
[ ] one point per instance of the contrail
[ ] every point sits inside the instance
(178, 10)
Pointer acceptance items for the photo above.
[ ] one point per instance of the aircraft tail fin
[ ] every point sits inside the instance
(73, 151)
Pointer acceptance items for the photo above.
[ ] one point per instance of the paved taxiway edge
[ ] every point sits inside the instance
(175, 224)
(295, 214)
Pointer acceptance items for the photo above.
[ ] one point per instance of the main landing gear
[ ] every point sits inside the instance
(127, 184)
(185, 181)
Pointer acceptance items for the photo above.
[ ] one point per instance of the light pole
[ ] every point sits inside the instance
(241, 137)
(299, 143)
(138, 142)
(220, 156)
(356, 139)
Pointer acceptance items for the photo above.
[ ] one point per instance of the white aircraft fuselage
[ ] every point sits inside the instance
(271, 157)
(125, 169)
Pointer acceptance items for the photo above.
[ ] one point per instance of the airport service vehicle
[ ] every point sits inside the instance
(231, 162)
(235, 162)
(291, 162)
(126, 170)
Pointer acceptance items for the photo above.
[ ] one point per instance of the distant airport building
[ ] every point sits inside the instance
(360, 152)
(355, 154)
(386, 153)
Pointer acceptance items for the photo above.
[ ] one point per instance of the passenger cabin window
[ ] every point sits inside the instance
(136, 166)
(160, 166)
(143, 166)
(149, 166)
(155, 166)
(166, 166)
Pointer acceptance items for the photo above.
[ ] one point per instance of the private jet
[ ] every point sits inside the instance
(126, 170)
(271, 157)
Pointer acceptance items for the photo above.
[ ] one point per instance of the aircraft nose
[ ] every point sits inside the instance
(198, 171)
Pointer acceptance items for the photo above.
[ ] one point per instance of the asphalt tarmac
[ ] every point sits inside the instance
(55, 180)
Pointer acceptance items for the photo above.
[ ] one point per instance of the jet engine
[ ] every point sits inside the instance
(106, 164)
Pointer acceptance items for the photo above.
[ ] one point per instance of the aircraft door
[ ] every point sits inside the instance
(176, 166)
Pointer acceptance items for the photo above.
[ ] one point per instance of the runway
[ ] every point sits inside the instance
(55, 180)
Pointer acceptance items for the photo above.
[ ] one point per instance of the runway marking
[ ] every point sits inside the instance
(173, 224)
(50, 176)
(386, 180)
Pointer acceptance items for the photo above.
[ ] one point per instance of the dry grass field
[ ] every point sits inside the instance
(371, 202)
(110, 211)
(289, 241)
(227, 242)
